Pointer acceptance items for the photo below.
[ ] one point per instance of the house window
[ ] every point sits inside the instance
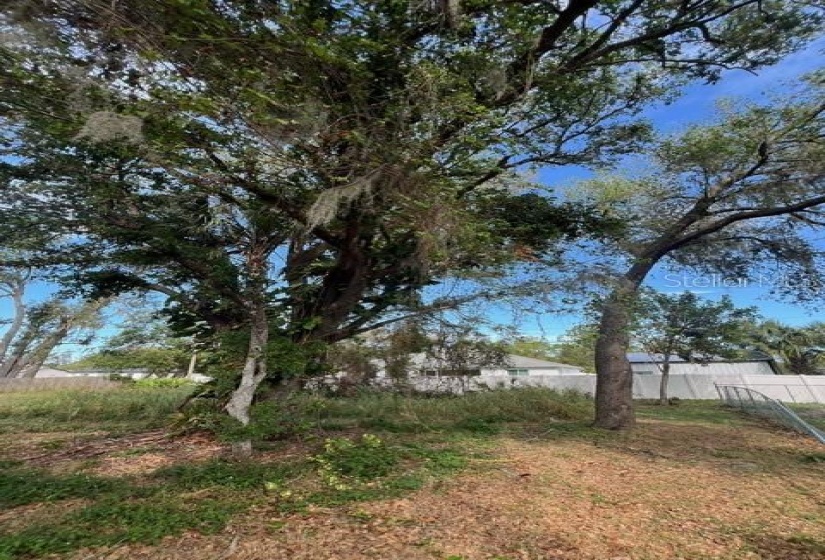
(518, 372)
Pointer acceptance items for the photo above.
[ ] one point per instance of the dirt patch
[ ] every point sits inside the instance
(144, 457)
(669, 491)
(25, 447)
(133, 454)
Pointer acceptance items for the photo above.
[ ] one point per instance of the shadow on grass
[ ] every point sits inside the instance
(777, 547)
(77, 510)
(113, 510)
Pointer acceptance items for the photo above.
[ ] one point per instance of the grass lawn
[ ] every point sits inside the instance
(502, 475)
(813, 414)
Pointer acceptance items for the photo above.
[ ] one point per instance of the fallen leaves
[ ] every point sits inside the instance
(670, 491)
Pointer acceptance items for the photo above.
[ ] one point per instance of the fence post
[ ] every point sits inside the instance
(814, 396)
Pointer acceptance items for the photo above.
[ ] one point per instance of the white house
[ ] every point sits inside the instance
(52, 372)
(513, 366)
(643, 363)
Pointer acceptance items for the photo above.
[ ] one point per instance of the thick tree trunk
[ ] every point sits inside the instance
(614, 377)
(614, 381)
(663, 400)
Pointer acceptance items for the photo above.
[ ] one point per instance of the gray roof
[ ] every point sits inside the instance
(645, 358)
(511, 361)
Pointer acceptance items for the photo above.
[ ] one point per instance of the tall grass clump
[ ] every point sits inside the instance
(130, 406)
(473, 411)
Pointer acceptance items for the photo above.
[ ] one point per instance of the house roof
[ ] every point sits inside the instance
(511, 361)
(645, 358)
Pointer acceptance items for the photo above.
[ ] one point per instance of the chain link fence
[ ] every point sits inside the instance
(754, 402)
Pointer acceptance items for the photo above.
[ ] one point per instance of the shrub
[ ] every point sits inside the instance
(164, 382)
(225, 474)
(345, 461)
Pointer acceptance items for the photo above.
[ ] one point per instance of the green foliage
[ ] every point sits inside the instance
(460, 349)
(279, 418)
(481, 426)
(20, 488)
(164, 382)
(344, 461)
(705, 200)
(687, 326)
(163, 361)
(536, 223)
(113, 522)
(578, 347)
(798, 350)
(413, 466)
(531, 347)
(282, 419)
(482, 413)
(285, 360)
(233, 475)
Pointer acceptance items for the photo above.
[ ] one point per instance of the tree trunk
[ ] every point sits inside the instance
(190, 371)
(16, 289)
(253, 374)
(254, 370)
(614, 378)
(16, 360)
(663, 400)
(35, 359)
(32, 348)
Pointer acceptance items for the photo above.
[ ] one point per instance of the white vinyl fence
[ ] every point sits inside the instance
(786, 388)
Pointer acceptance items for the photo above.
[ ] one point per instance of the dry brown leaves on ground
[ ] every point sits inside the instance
(670, 491)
